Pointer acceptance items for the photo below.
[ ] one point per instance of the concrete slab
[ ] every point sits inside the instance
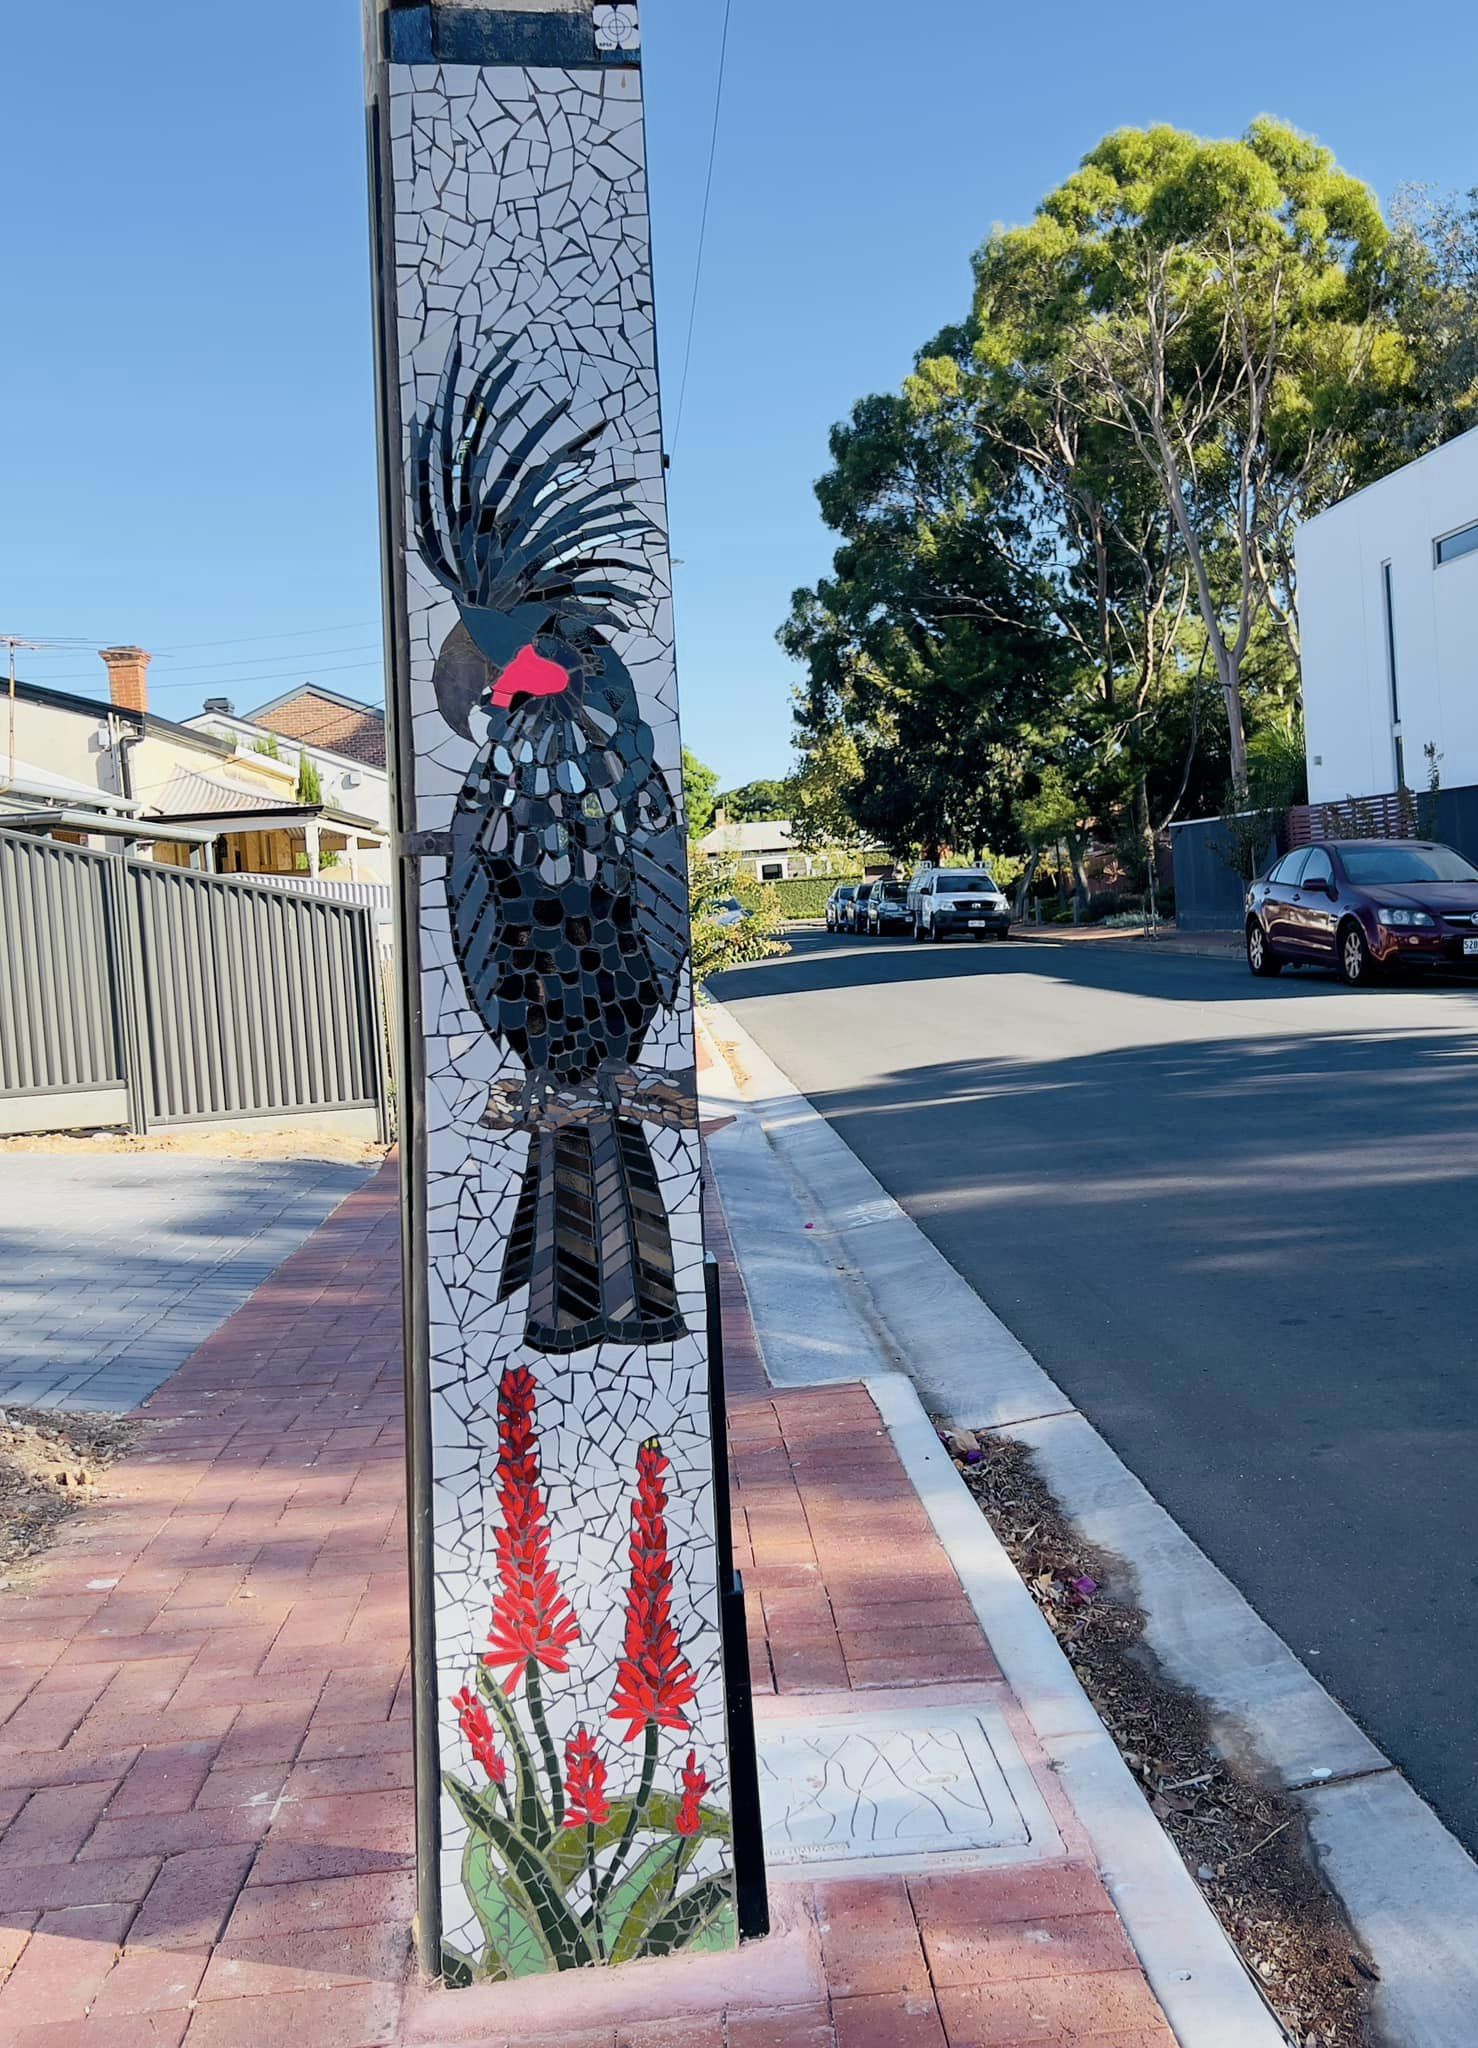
(114, 1268)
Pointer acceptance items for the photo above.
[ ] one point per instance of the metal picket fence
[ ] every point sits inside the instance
(138, 994)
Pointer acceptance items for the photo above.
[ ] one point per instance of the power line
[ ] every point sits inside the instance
(297, 658)
(247, 639)
(308, 670)
(718, 100)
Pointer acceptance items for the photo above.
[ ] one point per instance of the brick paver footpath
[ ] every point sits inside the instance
(205, 1738)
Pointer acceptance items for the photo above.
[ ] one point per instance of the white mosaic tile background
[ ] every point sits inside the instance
(521, 211)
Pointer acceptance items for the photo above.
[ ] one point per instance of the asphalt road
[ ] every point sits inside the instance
(1236, 1221)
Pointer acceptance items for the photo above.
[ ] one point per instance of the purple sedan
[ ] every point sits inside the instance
(1361, 905)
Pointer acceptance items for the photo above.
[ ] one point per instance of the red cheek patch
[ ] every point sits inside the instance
(529, 675)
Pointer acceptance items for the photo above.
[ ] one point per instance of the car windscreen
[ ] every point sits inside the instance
(951, 885)
(1370, 866)
(844, 895)
(894, 892)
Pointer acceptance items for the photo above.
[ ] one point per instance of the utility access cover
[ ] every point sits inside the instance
(915, 1789)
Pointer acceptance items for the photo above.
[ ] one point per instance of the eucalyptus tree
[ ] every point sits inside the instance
(1217, 305)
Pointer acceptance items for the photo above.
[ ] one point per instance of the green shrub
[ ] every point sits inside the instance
(801, 896)
(718, 946)
(1111, 903)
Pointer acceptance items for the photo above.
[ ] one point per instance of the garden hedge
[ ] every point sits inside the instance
(801, 896)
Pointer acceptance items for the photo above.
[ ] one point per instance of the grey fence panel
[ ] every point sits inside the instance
(254, 1001)
(1209, 893)
(59, 1025)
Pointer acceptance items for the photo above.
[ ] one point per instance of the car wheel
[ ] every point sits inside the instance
(1356, 968)
(935, 934)
(918, 929)
(1261, 958)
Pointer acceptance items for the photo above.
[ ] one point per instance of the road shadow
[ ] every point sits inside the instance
(820, 962)
(1249, 1261)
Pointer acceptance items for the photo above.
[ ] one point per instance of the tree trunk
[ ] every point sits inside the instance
(1080, 879)
(1024, 883)
(1147, 840)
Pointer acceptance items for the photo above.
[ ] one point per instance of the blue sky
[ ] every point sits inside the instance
(188, 441)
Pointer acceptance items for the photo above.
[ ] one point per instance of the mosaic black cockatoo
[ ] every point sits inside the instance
(566, 874)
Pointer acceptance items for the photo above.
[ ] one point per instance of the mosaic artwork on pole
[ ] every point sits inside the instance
(571, 1712)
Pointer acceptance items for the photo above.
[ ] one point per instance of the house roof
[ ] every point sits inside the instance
(322, 718)
(770, 835)
(190, 794)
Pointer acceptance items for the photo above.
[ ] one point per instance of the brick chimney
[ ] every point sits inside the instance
(128, 684)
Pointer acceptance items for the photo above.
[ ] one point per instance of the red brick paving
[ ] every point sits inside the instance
(206, 1814)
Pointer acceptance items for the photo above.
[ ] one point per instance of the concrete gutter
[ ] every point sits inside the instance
(801, 1204)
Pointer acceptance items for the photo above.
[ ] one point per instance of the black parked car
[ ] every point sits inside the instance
(1360, 905)
(884, 908)
(840, 906)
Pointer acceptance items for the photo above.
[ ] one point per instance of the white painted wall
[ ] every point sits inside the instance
(1347, 700)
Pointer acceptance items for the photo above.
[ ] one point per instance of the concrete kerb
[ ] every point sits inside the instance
(1406, 1883)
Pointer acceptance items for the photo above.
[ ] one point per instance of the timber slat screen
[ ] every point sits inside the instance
(153, 995)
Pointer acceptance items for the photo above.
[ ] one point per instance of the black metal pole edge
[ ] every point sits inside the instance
(420, 1530)
(751, 1892)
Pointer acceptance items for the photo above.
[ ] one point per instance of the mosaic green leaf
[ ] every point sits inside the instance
(641, 1897)
(687, 1918)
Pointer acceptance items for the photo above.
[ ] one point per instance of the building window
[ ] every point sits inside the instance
(1451, 545)
(772, 871)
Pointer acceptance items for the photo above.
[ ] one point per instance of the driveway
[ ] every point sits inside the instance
(1236, 1222)
(113, 1269)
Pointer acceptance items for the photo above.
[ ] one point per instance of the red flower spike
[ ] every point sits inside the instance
(478, 1729)
(695, 1784)
(654, 1681)
(532, 1620)
(585, 1783)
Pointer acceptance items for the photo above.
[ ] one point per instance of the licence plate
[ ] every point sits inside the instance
(977, 924)
(1470, 946)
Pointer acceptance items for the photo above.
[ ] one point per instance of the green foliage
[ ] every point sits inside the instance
(718, 946)
(1431, 289)
(268, 746)
(310, 782)
(800, 896)
(754, 803)
(1207, 318)
(1063, 601)
(699, 784)
(826, 787)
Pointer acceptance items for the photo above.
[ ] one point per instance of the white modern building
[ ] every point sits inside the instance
(1388, 609)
